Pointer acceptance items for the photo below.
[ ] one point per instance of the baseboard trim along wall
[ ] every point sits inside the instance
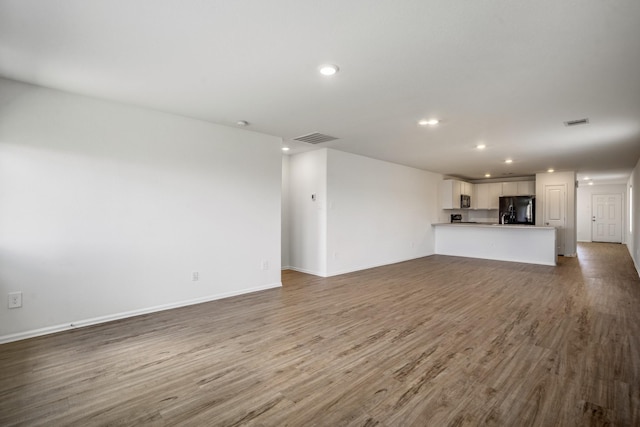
(368, 266)
(117, 316)
(634, 263)
(303, 270)
(358, 268)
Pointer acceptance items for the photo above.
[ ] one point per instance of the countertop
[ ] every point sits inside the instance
(491, 225)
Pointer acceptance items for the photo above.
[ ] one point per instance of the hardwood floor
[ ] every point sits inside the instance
(438, 341)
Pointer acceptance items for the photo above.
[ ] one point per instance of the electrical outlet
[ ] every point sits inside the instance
(195, 276)
(15, 299)
(264, 265)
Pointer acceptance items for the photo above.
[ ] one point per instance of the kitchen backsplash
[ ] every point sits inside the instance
(490, 216)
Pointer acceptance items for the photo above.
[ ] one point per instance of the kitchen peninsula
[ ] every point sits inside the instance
(516, 243)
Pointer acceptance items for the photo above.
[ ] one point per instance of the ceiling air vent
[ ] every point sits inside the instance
(315, 138)
(576, 122)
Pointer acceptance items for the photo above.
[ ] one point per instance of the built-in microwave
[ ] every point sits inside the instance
(465, 201)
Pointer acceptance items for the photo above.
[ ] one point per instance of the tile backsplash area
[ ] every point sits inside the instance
(470, 215)
(490, 216)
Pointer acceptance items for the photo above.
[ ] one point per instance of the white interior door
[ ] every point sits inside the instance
(555, 208)
(606, 217)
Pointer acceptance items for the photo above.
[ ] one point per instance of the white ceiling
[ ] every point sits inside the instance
(503, 72)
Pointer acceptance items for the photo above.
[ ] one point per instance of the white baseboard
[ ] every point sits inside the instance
(117, 316)
(368, 266)
(357, 268)
(302, 270)
(635, 264)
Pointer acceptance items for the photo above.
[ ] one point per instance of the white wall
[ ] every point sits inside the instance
(284, 209)
(633, 238)
(107, 209)
(367, 212)
(584, 211)
(378, 212)
(559, 178)
(308, 218)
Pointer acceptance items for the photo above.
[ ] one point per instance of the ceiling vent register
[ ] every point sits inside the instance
(576, 122)
(315, 138)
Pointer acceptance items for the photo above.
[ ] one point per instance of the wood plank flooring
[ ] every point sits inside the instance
(438, 341)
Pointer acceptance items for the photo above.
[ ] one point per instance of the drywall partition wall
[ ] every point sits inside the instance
(307, 212)
(584, 195)
(378, 212)
(633, 225)
(106, 210)
(284, 216)
(568, 179)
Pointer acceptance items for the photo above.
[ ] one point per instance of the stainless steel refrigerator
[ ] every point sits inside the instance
(517, 210)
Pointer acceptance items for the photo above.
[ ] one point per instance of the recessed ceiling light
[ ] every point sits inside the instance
(551, 170)
(285, 148)
(429, 122)
(508, 161)
(242, 123)
(487, 175)
(591, 183)
(481, 146)
(586, 178)
(328, 69)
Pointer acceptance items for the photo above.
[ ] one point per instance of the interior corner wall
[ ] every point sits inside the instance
(107, 209)
(584, 212)
(284, 221)
(378, 212)
(559, 178)
(307, 212)
(633, 237)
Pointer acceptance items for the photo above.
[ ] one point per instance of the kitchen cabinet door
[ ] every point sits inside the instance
(466, 188)
(451, 189)
(526, 188)
(481, 196)
(450, 193)
(469, 189)
(495, 191)
(509, 188)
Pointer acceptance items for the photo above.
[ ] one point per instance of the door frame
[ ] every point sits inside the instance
(562, 230)
(620, 207)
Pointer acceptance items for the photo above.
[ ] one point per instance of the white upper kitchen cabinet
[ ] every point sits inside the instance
(510, 188)
(495, 191)
(526, 188)
(466, 188)
(487, 196)
(481, 199)
(519, 188)
(451, 189)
